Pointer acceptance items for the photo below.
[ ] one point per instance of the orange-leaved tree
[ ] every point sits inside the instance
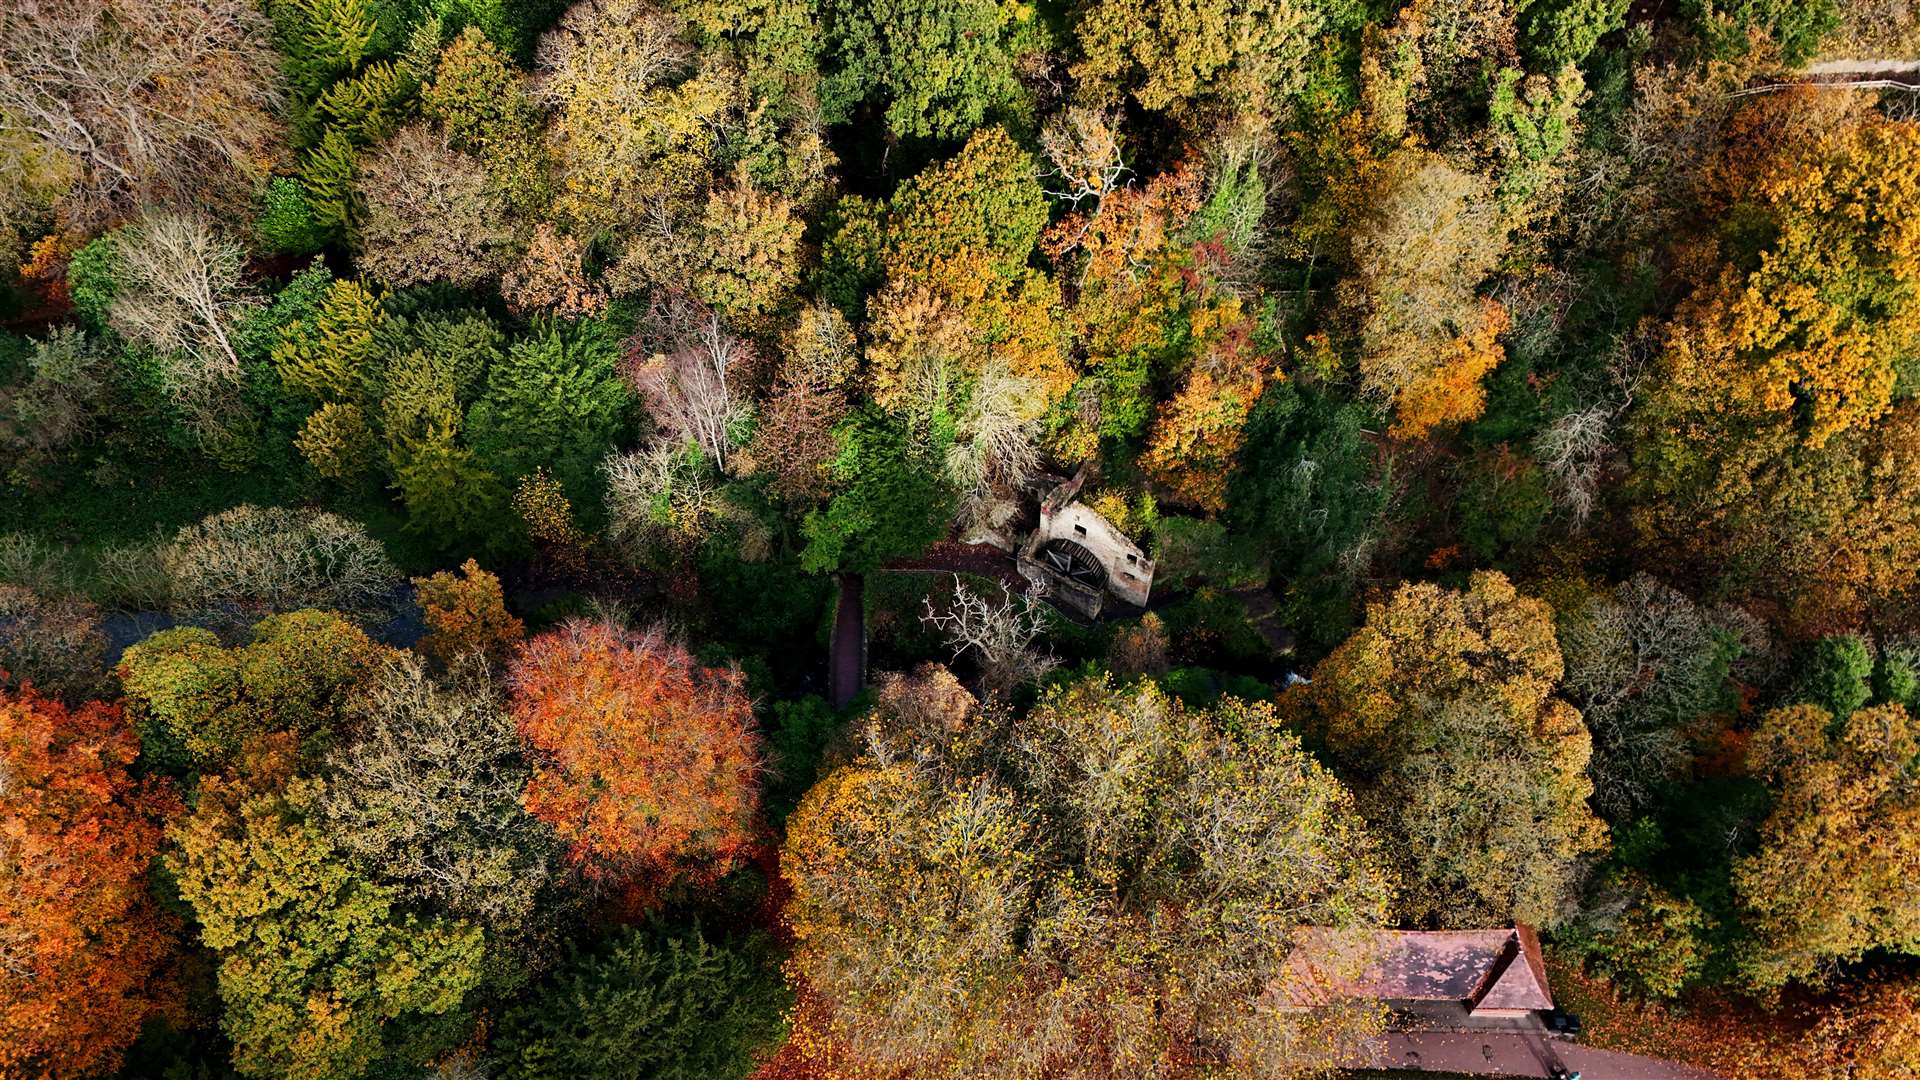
(81, 940)
(1773, 447)
(466, 613)
(645, 760)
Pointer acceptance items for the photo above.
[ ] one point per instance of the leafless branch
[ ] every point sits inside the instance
(1002, 634)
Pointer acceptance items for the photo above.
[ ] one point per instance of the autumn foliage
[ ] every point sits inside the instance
(1427, 236)
(82, 942)
(194, 700)
(1512, 408)
(645, 760)
(1444, 707)
(1109, 883)
(315, 958)
(1868, 1032)
(1826, 884)
(1151, 309)
(1195, 440)
(466, 613)
(1774, 445)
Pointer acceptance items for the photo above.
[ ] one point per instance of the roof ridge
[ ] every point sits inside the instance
(1510, 985)
(1496, 970)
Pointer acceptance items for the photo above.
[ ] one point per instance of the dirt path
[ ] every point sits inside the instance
(1873, 69)
(953, 557)
(847, 662)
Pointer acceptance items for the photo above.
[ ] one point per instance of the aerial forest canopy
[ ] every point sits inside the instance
(952, 538)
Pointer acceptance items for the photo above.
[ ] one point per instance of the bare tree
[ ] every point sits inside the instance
(1572, 450)
(133, 576)
(794, 441)
(432, 214)
(918, 716)
(150, 100)
(606, 50)
(659, 492)
(258, 560)
(695, 391)
(53, 642)
(1642, 665)
(181, 293)
(662, 235)
(36, 565)
(1082, 148)
(1002, 635)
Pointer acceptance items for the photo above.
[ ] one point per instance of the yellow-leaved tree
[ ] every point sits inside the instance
(1110, 885)
(1443, 707)
(1833, 876)
(1430, 234)
(1773, 446)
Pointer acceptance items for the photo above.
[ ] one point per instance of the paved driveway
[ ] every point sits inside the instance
(1514, 1054)
(847, 654)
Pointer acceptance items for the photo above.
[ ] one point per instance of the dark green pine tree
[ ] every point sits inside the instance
(555, 400)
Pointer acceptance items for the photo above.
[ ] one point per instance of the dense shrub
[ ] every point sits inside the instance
(889, 506)
(1645, 938)
(1193, 550)
(93, 279)
(257, 560)
(286, 220)
(1503, 504)
(197, 703)
(33, 564)
(1645, 664)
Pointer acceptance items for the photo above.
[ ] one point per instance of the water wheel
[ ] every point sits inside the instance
(1073, 562)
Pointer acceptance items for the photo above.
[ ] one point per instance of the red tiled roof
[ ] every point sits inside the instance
(1482, 969)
